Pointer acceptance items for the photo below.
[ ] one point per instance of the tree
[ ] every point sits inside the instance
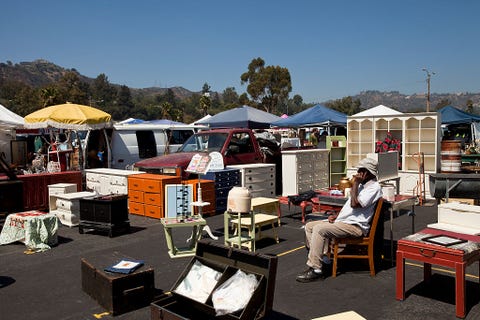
(268, 86)
(442, 103)
(230, 97)
(346, 105)
(49, 96)
(205, 103)
(72, 89)
(102, 92)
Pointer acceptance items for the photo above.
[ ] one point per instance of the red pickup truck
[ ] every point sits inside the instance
(237, 146)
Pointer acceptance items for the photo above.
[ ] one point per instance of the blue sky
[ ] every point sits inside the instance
(331, 48)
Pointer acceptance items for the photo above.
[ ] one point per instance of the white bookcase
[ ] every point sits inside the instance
(418, 132)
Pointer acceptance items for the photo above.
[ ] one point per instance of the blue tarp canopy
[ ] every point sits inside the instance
(316, 116)
(240, 117)
(452, 115)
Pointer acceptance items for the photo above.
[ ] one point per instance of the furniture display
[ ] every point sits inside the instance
(35, 187)
(197, 224)
(304, 170)
(338, 158)
(227, 261)
(258, 178)
(108, 213)
(457, 256)
(146, 194)
(224, 180)
(366, 242)
(37, 229)
(116, 292)
(66, 206)
(108, 181)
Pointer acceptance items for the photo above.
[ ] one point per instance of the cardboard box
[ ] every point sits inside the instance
(117, 293)
(226, 260)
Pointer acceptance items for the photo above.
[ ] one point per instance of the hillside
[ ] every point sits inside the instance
(41, 73)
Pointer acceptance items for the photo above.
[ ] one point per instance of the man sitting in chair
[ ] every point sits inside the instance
(352, 220)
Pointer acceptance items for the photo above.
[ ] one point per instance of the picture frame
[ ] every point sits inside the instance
(444, 240)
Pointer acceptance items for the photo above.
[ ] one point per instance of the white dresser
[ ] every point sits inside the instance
(304, 170)
(67, 206)
(108, 181)
(258, 178)
(59, 188)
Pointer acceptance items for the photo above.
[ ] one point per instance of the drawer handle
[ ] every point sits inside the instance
(426, 254)
(136, 290)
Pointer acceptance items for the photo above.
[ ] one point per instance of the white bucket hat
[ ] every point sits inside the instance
(369, 164)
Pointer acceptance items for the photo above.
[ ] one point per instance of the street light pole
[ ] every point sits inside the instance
(428, 87)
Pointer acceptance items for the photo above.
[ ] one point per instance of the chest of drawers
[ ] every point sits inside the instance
(108, 181)
(258, 178)
(304, 170)
(146, 194)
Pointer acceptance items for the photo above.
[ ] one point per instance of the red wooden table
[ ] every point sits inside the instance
(457, 257)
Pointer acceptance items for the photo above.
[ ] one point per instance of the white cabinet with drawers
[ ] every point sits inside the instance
(258, 178)
(108, 181)
(67, 206)
(304, 170)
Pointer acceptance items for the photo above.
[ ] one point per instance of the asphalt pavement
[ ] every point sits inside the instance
(47, 285)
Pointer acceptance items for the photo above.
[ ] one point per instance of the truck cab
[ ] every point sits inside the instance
(237, 146)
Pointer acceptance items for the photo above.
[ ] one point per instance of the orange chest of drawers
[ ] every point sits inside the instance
(208, 195)
(146, 194)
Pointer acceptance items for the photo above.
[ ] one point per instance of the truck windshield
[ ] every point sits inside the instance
(206, 142)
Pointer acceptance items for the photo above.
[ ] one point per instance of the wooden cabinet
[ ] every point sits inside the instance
(258, 178)
(208, 195)
(417, 132)
(338, 158)
(59, 188)
(146, 193)
(304, 170)
(35, 187)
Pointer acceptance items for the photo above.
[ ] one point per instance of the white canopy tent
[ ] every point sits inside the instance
(9, 121)
(379, 110)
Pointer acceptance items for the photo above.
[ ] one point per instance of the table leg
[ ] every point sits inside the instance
(391, 234)
(427, 272)
(400, 290)
(460, 290)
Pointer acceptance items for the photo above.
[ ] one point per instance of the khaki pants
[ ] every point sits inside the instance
(318, 235)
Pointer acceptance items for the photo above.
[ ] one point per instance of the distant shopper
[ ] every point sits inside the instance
(322, 140)
(353, 220)
(313, 138)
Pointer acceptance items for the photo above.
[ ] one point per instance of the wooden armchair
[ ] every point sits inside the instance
(366, 242)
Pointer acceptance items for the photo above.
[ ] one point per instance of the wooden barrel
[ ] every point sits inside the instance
(451, 156)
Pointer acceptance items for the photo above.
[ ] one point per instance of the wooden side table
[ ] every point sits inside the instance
(196, 223)
(457, 257)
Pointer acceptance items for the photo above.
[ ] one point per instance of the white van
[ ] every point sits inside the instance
(133, 142)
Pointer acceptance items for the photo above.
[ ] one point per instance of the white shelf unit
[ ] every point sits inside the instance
(418, 132)
(304, 170)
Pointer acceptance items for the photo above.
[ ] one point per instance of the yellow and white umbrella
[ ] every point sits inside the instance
(68, 116)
